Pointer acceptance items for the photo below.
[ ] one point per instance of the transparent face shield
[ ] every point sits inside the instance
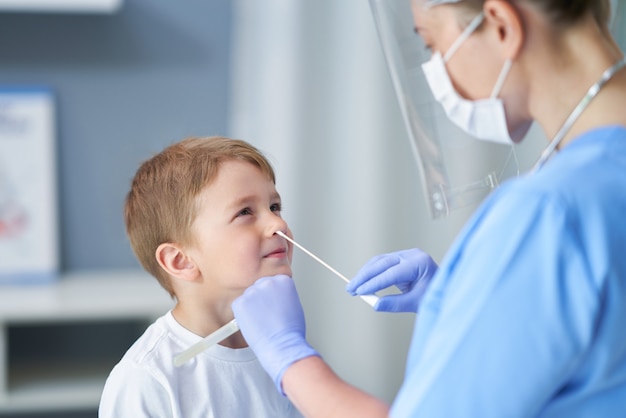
(456, 169)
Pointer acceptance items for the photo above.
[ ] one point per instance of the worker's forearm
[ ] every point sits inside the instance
(318, 392)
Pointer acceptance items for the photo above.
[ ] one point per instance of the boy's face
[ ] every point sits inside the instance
(234, 230)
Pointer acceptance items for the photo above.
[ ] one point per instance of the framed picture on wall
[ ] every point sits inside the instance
(28, 187)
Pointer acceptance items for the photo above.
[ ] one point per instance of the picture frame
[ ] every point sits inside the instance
(29, 229)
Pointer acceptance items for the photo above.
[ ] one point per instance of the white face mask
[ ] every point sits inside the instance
(484, 119)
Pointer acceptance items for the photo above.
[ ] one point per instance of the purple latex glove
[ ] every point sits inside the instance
(271, 319)
(409, 270)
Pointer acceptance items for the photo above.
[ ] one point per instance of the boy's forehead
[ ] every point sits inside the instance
(231, 169)
(237, 181)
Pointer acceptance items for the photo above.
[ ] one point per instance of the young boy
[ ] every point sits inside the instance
(201, 217)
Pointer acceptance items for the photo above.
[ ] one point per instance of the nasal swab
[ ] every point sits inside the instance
(369, 299)
(232, 327)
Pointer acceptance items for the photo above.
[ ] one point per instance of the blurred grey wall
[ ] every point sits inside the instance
(126, 85)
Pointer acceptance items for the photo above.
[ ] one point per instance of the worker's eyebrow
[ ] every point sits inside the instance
(420, 30)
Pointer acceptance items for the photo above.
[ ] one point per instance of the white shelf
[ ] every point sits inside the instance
(85, 295)
(67, 384)
(61, 6)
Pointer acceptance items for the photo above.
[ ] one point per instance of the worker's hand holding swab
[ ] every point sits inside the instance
(409, 270)
(271, 319)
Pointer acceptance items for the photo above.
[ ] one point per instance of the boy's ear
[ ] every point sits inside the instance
(172, 258)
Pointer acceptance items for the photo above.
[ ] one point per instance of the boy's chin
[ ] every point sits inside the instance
(286, 270)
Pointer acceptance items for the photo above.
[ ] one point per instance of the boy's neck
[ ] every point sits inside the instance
(203, 322)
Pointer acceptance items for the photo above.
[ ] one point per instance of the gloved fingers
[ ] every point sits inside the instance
(276, 295)
(391, 276)
(401, 275)
(371, 270)
(404, 302)
(260, 285)
(425, 265)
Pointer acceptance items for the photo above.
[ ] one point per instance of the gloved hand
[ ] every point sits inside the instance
(271, 320)
(409, 270)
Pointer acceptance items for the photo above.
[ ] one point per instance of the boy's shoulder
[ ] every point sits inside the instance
(139, 377)
(152, 345)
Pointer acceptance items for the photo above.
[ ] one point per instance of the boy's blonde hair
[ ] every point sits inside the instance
(161, 205)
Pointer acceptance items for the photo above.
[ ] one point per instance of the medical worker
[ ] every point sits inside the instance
(526, 315)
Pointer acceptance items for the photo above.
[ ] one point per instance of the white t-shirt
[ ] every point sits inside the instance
(220, 382)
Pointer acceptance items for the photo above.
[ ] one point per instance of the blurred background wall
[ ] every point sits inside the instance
(126, 84)
(305, 81)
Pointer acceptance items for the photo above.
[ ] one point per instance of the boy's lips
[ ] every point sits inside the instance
(279, 252)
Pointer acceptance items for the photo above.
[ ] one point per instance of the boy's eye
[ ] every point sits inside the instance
(244, 212)
(276, 207)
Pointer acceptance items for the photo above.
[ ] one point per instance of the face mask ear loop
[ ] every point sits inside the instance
(501, 78)
(464, 35)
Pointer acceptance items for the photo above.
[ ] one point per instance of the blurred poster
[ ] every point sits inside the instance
(28, 193)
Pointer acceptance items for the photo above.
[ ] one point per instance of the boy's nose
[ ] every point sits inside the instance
(276, 224)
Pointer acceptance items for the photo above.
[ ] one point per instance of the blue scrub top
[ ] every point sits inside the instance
(526, 315)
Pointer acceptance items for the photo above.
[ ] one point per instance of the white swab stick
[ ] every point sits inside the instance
(316, 258)
(208, 341)
(369, 299)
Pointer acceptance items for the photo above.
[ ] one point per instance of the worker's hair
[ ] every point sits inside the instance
(561, 13)
(161, 204)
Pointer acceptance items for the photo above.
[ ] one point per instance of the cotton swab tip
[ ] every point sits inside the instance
(370, 299)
